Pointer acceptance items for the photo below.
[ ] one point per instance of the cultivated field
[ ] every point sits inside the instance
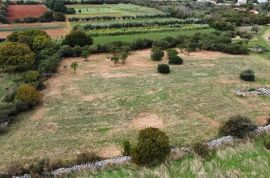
(117, 10)
(101, 105)
(54, 29)
(23, 11)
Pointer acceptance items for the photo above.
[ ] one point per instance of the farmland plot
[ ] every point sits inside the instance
(23, 11)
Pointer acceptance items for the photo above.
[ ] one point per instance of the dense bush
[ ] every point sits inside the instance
(173, 57)
(86, 157)
(15, 56)
(27, 93)
(41, 42)
(238, 126)
(175, 60)
(202, 150)
(126, 148)
(77, 38)
(31, 76)
(141, 44)
(163, 68)
(157, 54)
(247, 75)
(152, 147)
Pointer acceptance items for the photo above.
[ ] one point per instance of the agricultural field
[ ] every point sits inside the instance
(102, 104)
(55, 29)
(116, 10)
(22, 11)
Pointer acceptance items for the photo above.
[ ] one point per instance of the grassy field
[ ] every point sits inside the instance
(118, 10)
(152, 36)
(102, 105)
(246, 160)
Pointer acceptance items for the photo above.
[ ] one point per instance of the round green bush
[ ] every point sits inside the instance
(156, 54)
(247, 75)
(237, 126)
(77, 38)
(164, 68)
(176, 60)
(152, 147)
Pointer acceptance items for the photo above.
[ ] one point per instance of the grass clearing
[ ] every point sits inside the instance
(95, 108)
(151, 36)
(118, 10)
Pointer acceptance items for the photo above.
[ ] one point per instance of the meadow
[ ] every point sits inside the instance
(118, 10)
(247, 160)
(101, 105)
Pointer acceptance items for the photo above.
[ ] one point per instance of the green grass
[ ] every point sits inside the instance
(7, 80)
(151, 36)
(250, 160)
(118, 10)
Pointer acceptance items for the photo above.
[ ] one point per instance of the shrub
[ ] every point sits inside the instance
(31, 76)
(247, 75)
(10, 94)
(164, 68)
(202, 150)
(152, 147)
(65, 51)
(174, 59)
(126, 148)
(237, 126)
(161, 44)
(16, 56)
(76, 51)
(27, 93)
(86, 157)
(77, 38)
(41, 42)
(156, 54)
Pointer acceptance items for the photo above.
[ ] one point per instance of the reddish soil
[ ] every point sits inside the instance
(23, 11)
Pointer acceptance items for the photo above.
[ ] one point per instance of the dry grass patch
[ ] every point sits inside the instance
(146, 120)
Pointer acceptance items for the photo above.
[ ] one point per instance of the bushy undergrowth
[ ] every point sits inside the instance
(157, 54)
(238, 126)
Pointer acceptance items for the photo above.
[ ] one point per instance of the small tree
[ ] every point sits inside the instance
(123, 57)
(156, 54)
(74, 66)
(115, 59)
(85, 54)
(77, 38)
(247, 75)
(152, 147)
(163, 68)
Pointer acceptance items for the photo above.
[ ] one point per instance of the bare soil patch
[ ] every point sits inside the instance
(50, 127)
(204, 55)
(145, 120)
(109, 151)
(23, 11)
(39, 113)
(262, 120)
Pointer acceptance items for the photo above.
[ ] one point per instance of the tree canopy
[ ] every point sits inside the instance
(16, 56)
